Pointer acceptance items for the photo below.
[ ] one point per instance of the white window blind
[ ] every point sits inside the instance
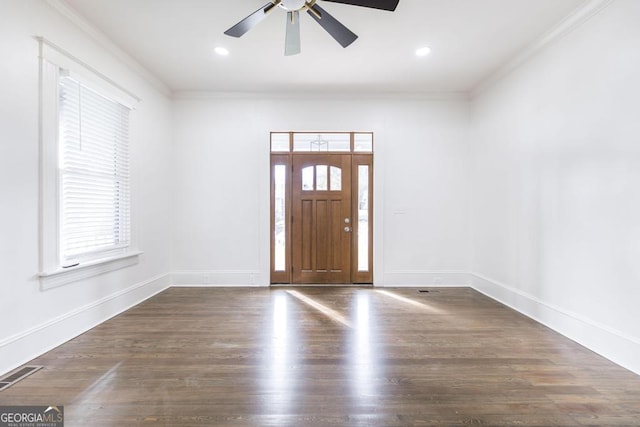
(94, 195)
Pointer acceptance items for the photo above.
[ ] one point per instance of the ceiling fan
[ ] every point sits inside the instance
(339, 32)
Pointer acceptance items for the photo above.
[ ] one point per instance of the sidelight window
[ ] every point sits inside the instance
(279, 232)
(363, 218)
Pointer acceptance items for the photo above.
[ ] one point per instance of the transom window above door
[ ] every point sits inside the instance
(314, 142)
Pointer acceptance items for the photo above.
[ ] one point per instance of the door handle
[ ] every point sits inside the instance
(347, 229)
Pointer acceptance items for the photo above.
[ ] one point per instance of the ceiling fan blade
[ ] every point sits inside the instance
(375, 4)
(251, 21)
(342, 34)
(292, 40)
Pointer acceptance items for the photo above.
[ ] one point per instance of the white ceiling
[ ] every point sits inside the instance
(470, 39)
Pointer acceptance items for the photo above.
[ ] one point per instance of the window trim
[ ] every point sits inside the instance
(62, 276)
(52, 60)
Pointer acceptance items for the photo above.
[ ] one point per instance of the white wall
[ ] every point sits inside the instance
(556, 179)
(222, 183)
(31, 320)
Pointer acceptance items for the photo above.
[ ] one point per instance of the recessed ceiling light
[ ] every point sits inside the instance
(423, 51)
(221, 51)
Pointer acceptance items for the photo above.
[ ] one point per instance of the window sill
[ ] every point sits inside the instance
(62, 276)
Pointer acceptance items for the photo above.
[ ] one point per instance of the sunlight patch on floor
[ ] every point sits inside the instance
(411, 302)
(332, 314)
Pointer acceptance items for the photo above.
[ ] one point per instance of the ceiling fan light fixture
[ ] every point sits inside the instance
(292, 5)
(222, 51)
(423, 51)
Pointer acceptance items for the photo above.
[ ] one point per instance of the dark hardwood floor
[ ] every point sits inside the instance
(328, 357)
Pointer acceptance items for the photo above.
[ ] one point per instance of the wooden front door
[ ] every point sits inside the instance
(321, 218)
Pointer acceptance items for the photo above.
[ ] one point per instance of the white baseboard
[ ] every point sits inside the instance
(413, 279)
(609, 343)
(219, 278)
(248, 278)
(21, 348)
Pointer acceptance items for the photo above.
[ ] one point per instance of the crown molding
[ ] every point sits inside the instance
(417, 96)
(569, 24)
(67, 11)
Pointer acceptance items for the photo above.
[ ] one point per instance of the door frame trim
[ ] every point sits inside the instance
(286, 159)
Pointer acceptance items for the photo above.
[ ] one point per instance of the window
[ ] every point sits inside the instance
(320, 174)
(280, 209)
(309, 142)
(93, 147)
(86, 197)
